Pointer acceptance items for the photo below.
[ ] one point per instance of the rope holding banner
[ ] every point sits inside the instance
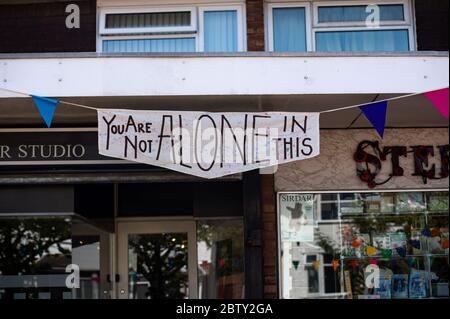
(321, 112)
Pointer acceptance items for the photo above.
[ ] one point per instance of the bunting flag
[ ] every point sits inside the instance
(371, 251)
(335, 264)
(401, 251)
(412, 261)
(46, 107)
(356, 242)
(393, 263)
(354, 264)
(386, 253)
(415, 244)
(445, 243)
(439, 99)
(426, 232)
(296, 263)
(435, 232)
(316, 265)
(376, 115)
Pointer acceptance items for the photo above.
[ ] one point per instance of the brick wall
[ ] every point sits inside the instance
(41, 27)
(270, 255)
(432, 25)
(255, 25)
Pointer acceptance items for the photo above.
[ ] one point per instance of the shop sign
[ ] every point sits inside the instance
(370, 158)
(297, 217)
(50, 147)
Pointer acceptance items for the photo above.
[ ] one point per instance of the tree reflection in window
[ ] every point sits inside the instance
(158, 266)
(33, 246)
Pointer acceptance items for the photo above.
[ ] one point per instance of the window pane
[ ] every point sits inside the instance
(328, 197)
(220, 31)
(148, 20)
(313, 280)
(362, 41)
(329, 211)
(393, 12)
(35, 252)
(149, 45)
(289, 29)
(332, 284)
(397, 234)
(220, 249)
(158, 266)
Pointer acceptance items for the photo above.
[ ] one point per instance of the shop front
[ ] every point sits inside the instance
(76, 225)
(368, 218)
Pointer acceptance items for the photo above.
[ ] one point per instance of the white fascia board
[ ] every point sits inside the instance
(240, 75)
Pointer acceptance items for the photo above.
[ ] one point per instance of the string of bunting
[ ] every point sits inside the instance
(401, 251)
(375, 112)
(376, 253)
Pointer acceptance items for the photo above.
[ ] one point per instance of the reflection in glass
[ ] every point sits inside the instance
(86, 254)
(34, 254)
(158, 266)
(220, 246)
(404, 236)
(33, 257)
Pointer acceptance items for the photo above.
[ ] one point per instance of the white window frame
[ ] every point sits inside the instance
(313, 26)
(407, 24)
(240, 20)
(308, 22)
(192, 28)
(146, 37)
(317, 5)
(195, 30)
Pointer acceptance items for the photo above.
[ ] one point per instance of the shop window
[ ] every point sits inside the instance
(341, 26)
(386, 245)
(220, 253)
(171, 29)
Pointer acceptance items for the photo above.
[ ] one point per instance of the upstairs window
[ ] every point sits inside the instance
(141, 22)
(221, 31)
(358, 13)
(288, 27)
(172, 29)
(341, 26)
(362, 26)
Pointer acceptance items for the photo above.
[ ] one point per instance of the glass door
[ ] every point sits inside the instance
(157, 260)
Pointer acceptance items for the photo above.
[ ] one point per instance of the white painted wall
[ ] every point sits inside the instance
(232, 75)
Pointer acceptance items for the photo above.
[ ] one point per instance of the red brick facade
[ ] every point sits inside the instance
(269, 213)
(256, 42)
(255, 25)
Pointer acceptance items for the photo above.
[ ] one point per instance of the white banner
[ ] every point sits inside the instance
(208, 145)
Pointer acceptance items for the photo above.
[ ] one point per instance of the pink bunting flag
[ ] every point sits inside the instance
(439, 99)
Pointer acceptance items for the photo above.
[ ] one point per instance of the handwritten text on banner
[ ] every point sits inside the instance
(208, 145)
